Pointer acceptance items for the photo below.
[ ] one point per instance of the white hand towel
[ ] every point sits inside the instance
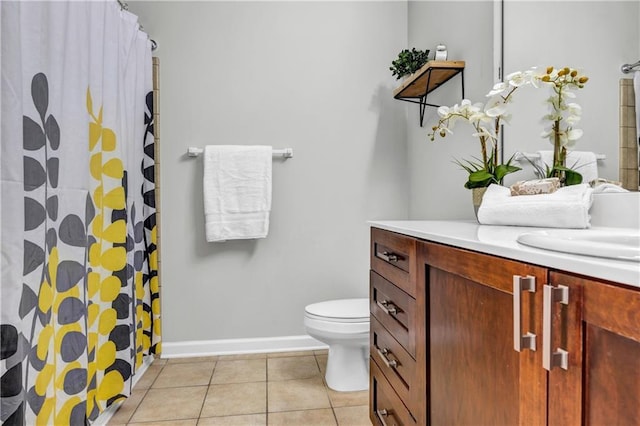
(568, 207)
(583, 162)
(237, 191)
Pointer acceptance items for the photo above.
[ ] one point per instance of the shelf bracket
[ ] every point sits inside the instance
(423, 100)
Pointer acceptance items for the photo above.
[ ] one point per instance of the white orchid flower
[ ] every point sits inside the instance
(531, 77)
(572, 119)
(498, 88)
(486, 133)
(574, 134)
(574, 108)
(443, 111)
(517, 79)
(553, 116)
(496, 111)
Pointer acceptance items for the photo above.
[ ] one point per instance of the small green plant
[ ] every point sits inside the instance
(408, 62)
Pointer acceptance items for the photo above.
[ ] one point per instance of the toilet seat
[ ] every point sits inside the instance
(343, 311)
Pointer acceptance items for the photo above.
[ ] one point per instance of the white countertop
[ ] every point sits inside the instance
(501, 241)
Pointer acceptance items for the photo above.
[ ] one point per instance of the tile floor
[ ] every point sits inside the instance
(259, 389)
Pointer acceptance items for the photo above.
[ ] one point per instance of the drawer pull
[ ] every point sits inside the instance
(520, 284)
(389, 256)
(391, 363)
(382, 414)
(388, 307)
(560, 357)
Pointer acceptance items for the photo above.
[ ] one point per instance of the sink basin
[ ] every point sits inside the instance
(622, 244)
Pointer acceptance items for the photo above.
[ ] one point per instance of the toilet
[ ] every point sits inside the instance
(344, 326)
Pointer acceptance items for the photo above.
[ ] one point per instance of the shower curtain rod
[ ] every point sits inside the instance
(124, 6)
(627, 68)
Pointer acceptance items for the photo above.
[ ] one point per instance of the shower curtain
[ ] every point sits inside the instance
(79, 294)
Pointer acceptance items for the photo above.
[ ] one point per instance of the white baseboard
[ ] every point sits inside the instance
(195, 348)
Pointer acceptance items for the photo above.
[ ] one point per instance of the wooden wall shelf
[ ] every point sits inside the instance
(428, 78)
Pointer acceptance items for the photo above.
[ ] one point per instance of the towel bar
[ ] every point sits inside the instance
(522, 156)
(286, 152)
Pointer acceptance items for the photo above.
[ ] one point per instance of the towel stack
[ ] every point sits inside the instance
(568, 207)
(237, 191)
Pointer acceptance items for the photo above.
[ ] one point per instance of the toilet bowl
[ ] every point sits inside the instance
(344, 326)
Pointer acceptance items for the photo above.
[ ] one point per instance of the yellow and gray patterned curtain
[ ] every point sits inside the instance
(79, 294)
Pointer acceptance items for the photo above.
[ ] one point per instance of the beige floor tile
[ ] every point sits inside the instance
(292, 395)
(353, 416)
(322, 417)
(170, 404)
(322, 363)
(186, 422)
(241, 356)
(287, 354)
(348, 399)
(149, 376)
(245, 420)
(240, 371)
(181, 375)
(160, 361)
(192, 359)
(128, 407)
(297, 367)
(235, 398)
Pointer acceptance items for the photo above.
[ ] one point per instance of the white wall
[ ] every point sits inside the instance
(596, 37)
(466, 28)
(308, 75)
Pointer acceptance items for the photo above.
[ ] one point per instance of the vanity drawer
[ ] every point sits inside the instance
(385, 407)
(395, 310)
(393, 256)
(394, 362)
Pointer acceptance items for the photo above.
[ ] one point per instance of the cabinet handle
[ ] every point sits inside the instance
(388, 307)
(560, 357)
(384, 413)
(389, 256)
(391, 363)
(520, 284)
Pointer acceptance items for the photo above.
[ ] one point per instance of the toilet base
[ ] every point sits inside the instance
(348, 368)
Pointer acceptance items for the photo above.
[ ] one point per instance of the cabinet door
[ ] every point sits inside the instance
(475, 374)
(598, 328)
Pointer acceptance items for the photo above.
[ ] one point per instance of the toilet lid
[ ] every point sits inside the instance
(347, 310)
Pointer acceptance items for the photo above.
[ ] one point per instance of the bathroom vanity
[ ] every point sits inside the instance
(468, 327)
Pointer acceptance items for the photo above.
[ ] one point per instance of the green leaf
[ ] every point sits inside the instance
(480, 184)
(504, 169)
(572, 177)
(480, 176)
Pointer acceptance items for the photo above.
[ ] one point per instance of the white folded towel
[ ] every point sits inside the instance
(568, 207)
(237, 191)
(583, 162)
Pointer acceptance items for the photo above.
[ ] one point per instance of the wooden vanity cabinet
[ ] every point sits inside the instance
(475, 362)
(476, 376)
(599, 328)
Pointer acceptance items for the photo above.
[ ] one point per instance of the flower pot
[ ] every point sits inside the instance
(476, 196)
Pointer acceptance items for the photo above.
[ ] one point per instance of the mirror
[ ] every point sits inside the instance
(596, 37)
